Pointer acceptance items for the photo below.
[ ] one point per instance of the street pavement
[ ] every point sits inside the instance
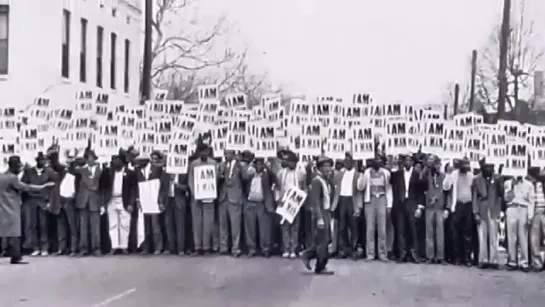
(173, 281)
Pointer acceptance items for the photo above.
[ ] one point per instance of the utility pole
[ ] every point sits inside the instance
(146, 69)
(504, 47)
(456, 96)
(473, 76)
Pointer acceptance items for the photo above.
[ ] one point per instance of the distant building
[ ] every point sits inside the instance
(61, 46)
(538, 99)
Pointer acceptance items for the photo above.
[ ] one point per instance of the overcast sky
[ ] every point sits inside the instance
(394, 49)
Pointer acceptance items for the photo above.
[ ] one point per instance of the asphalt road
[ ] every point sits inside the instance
(172, 281)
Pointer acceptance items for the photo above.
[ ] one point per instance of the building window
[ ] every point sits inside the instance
(113, 42)
(4, 39)
(83, 52)
(100, 47)
(65, 64)
(126, 85)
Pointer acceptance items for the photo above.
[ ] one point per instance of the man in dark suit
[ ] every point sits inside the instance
(63, 203)
(36, 207)
(319, 198)
(259, 207)
(410, 194)
(231, 198)
(175, 214)
(119, 192)
(151, 169)
(89, 205)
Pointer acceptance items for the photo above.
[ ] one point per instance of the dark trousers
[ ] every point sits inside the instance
(462, 232)
(308, 227)
(14, 247)
(153, 235)
(257, 220)
(348, 226)
(67, 226)
(407, 233)
(36, 227)
(319, 250)
(175, 215)
(89, 226)
(230, 216)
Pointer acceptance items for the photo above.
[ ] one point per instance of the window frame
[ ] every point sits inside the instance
(126, 71)
(84, 23)
(100, 57)
(4, 10)
(113, 62)
(65, 44)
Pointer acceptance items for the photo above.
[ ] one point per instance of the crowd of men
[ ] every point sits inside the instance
(406, 209)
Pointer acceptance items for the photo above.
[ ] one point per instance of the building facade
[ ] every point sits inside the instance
(57, 47)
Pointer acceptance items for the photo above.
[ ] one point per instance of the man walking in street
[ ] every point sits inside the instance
(319, 198)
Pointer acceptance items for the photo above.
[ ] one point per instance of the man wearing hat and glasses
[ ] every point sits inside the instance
(10, 206)
(319, 200)
(36, 207)
(89, 204)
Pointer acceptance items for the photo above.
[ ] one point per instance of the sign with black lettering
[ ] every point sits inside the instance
(396, 137)
(293, 200)
(310, 140)
(496, 146)
(264, 141)
(517, 159)
(237, 137)
(208, 92)
(434, 131)
(219, 139)
(236, 100)
(205, 182)
(178, 157)
(363, 144)
(453, 143)
(474, 149)
(336, 144)
(537, 153)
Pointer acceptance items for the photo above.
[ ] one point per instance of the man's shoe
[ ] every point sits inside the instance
(35, 253)
(510, 267)
(44, 253)
(324, 271)
(157, 253)
(526, 269)
(286, 255)
(97, 254)
(20, 261)
(306, 262)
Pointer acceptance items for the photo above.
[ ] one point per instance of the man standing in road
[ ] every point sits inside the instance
(319, 198)
(10, 206)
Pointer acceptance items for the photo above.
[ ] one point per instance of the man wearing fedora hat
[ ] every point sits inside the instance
(320, 198)
(10, 206)
(36, 207)
(89, 205)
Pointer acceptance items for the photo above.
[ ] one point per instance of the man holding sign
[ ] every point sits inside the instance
(202, 182)
(319, 200)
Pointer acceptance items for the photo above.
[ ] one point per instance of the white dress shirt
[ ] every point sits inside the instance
(67, 188)
(347, 183)
(147, 171)
(92, 170)
(118, 183)
(231, 167)
(407, 176)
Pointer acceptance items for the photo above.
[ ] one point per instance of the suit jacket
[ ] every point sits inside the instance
(232, 188)
(450, 185)
(416, 190)
(487, 196)
(156, 172)
(128, 186)
(267, 180)
(88, 194)
(181, 190)
(31, 176)
(315, 200)
(55, 195)
(357, 195)
(433, 185)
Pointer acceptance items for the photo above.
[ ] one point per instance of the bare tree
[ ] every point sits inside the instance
(524, 54)
(182, 48)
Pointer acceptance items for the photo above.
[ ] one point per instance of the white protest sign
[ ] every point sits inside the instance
(237, 135)
(537, 153)
(496, 147)
(178, 157)
(517, 159)
(292, 202)
(205, 182)
(208, 92)
(396, 137)
(236, 100)
(264, 141)
(363, 143)
(310, 141)
(337, 143)
(433, 137)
